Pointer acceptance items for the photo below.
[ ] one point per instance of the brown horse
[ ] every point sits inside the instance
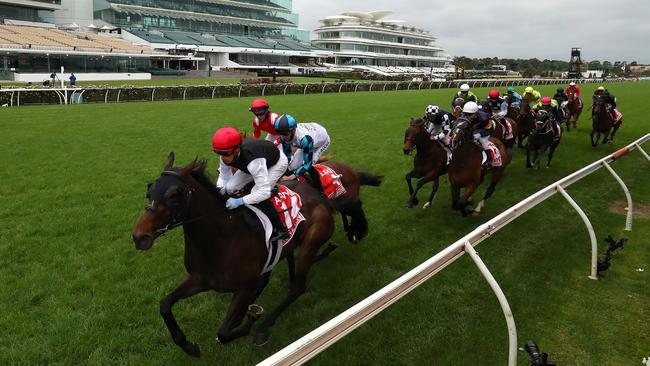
(457, 107)
(429, 164)
(602, 123)
(541, 138)
(349, 204)
(466, 171)
(526, 123)
(575, 109)
(499, 131)
(223, 252)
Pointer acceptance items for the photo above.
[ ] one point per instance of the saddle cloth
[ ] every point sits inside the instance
(496, 155)
(288, 204)
(330, 180)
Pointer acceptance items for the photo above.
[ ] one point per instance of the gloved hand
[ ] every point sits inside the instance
(233, 203)
(441, 136)
(476, 135)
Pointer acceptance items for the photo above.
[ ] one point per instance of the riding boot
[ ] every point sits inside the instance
(488, 158)
(279, 232)
(315, 180)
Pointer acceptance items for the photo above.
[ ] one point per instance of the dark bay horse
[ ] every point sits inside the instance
(429, 164)
(222, 252)
(525, 123)
(541, 138)
(575, 109)
(349, 204)
(465, 170)
(602, 123)
(457, 107)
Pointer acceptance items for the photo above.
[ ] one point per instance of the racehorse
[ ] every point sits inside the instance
(525, 123)
(458, 107)
(222, 252)
(429, 164)
(349, 204)
(541, 138)
(465, 170)
(575, 109)
(602, 122)
(499, 132)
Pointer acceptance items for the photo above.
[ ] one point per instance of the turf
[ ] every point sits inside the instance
(75, 291)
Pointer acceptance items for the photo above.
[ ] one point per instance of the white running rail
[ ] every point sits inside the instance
(322, 337)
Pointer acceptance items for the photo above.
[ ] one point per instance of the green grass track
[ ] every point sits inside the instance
(74, 291)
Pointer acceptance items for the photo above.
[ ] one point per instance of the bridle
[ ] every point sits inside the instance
(176, 220)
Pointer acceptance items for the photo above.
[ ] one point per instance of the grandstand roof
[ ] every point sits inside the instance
(189, 15)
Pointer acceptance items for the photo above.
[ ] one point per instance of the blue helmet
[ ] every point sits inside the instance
(285, 123)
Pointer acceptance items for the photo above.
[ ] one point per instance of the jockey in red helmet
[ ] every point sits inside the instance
(495, 106)
(264, 120)
(257, 161)
(551, 107)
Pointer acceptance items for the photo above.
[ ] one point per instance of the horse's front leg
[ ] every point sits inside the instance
(528, 158)
(614, 131)
(191, 286)
(434, 189)
(424, 180)
(550, 154)
(239, 307)
(413, 200)
(591, 135)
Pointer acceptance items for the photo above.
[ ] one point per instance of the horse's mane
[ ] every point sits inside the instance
(197, 171)
(416, 121)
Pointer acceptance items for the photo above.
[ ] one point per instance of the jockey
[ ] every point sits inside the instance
(562, 99)
(264, 120)
(513, 97)
(551, 108)
(531, 96)
(257, 161)
(483, 125)
(610, 102)
(439, 123)
(573, 88)
(311, 139)
(599, 91)
(495, 105)
(465, 95)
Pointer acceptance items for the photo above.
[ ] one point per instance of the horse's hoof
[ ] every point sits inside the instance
(475, 213)
(261, 338)
(255, 311)
(426, 205)
(354, 239)
(192, 349)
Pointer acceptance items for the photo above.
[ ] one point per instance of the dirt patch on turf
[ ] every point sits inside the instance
(640, 210)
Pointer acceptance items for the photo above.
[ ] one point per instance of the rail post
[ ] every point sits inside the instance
(628, 218)
(592, 235)
(510, 320)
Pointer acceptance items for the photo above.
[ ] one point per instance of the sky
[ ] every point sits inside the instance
(605, 30)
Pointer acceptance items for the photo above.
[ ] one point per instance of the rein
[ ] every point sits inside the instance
(176, 221)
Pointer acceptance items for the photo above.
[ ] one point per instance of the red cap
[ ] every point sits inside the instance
(546, 100)
(226, 139)
(259, 103)
(494, 93)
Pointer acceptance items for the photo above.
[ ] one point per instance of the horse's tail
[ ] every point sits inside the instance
(367, 179)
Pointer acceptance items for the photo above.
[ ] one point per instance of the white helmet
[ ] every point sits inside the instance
(464, 88)
(470, 107)
(432, 110)
(572, 83)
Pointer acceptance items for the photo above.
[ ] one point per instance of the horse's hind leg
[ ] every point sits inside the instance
(550, 154)
(232, 327)
(291, 265)
(469, 191)
(614, 131)
(325, 253)
(591, 135)
(496, 177)
(434, 189)
(191, 286)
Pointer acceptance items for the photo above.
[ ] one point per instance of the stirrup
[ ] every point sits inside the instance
(279, 234)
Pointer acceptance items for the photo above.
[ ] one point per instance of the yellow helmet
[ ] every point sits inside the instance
(602, 88)
(528, 90)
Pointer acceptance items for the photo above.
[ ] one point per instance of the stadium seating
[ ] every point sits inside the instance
(56, 39)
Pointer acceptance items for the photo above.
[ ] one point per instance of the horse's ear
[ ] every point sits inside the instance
(170, 160)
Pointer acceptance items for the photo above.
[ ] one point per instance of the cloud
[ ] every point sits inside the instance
(544, 30)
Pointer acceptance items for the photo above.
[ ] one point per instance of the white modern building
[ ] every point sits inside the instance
(368, 42)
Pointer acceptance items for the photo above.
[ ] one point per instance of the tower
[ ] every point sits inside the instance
(575, 63)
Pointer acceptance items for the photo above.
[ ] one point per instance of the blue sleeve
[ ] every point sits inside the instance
(307, 146)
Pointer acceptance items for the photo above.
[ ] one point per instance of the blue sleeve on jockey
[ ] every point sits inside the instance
(307, 146)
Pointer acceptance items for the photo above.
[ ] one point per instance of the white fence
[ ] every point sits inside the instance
(27, 96)
(322, 337)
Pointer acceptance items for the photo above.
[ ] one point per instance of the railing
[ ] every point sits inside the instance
(25, 96)
(322, 337)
